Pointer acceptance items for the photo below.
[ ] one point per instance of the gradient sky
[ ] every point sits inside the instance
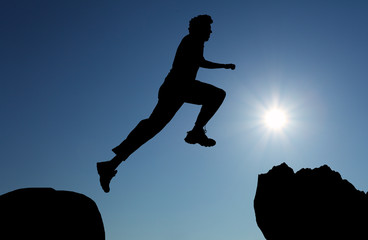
(77, 76)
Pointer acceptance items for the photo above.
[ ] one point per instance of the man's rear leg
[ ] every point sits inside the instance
(144, 131)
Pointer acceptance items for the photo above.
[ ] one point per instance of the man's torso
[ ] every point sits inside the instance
(187, 60)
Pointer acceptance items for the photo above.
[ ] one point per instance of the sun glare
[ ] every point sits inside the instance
(275, 119)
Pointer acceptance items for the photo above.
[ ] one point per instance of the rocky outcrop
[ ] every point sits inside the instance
(309, 204)
(43, 213)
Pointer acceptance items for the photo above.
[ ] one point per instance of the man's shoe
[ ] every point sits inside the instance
(106, 174)
(199, 136)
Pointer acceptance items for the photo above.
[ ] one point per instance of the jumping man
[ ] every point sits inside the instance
(180, 86)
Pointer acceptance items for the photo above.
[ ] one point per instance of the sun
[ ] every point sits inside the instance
(275, 119)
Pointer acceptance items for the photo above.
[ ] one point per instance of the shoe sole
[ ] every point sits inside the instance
(195, 142)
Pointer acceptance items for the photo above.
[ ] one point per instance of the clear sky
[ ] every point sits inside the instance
(77, 76)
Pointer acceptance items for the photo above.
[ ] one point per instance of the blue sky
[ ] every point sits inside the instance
(77, 76)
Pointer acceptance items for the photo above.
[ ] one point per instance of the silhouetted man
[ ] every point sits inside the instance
(180, 86)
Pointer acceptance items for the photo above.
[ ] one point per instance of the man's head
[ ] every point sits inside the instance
(200, 27)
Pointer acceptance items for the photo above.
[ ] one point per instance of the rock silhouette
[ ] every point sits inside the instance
(44, 213)
(309, 204)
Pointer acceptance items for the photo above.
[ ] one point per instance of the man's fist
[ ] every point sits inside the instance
(230, 66)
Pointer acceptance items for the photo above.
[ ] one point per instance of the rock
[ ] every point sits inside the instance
(309, 204)
(43, 213)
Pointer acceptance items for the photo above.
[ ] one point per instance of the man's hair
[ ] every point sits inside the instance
(197, 23)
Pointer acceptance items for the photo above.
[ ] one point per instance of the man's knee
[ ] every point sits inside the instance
(222, 94)
(215, 97)
(219, 95)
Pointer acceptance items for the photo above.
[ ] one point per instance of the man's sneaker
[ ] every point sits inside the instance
(106, 174)
(199, 136)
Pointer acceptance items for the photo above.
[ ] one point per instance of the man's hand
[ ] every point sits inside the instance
(230, 66)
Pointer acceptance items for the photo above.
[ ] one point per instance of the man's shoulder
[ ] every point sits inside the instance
(189, 40)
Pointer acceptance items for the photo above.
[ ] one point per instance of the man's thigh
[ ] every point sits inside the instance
(165, 110)
(200, 93)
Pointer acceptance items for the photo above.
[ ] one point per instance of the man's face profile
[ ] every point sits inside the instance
(205, 32)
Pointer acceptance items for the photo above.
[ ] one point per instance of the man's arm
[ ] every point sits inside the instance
(211, 65)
